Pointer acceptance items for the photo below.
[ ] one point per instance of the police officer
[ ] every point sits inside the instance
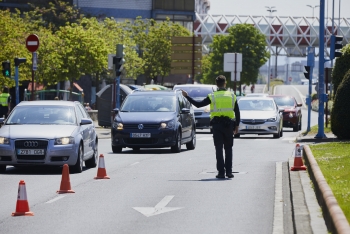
(5, 104)
(224, 119)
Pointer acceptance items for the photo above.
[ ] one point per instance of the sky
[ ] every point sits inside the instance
(283, 7)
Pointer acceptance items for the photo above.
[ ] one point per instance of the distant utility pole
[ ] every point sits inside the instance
(271, 10)
(313, 9)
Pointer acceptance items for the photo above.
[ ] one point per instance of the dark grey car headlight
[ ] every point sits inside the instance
(4, 141)
(64, 141)
(169, 124)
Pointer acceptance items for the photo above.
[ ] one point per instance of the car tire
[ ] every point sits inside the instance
(92, 162)
(2, 168)
(117, 149)
(300, 124)
(192, 144)
(277, 135)
(296, 128)
(78, 166)
(281, 133)
(136, 149)
(177, 147)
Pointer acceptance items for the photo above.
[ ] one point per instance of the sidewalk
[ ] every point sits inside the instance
(309, 221)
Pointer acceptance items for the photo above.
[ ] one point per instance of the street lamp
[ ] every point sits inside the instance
(313, 9)
(271, 10)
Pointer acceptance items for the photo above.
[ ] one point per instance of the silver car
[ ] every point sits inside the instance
(260, 115)
(48, 133)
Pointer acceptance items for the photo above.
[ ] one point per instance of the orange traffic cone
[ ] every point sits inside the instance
(101, 171)
(22, 206)
(65, 181)
(298, 161)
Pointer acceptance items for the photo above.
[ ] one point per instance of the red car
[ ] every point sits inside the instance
(292, 117)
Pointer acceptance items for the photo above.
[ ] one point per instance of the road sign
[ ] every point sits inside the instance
(35, 61)
(32, 43)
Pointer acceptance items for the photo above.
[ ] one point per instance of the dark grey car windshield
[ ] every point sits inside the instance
(45, 115)
(256, 105)
(149, 103)
(198, 93)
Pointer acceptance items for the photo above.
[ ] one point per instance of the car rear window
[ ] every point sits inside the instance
(284, 101)
(197, 93)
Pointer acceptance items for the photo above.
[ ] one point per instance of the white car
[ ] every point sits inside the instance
(256, 95)
(261, 116)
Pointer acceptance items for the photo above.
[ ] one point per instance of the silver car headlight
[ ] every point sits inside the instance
(274, 119)
(118, 125)
(4, 141)
(64, 141)
(170, 124)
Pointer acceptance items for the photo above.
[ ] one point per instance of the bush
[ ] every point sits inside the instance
(314, 105)
(340, 112)
(341, 67)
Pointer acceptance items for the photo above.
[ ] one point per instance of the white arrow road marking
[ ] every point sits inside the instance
(158, 209)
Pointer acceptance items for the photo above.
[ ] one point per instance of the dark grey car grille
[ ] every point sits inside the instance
(145, 126)
(21, 144)
(253, 121)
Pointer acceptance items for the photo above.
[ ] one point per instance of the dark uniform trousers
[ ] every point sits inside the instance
(223, 139)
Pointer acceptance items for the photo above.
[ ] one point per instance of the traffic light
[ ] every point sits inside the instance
(118, 60)
(336, 44)
(18, 61)
(307, 73)
(6, 69)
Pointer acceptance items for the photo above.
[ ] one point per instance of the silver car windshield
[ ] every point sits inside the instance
(149, 103)
(256, 105)
(45, 115)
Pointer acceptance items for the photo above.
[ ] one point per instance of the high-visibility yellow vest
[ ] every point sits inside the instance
(3, 99)
(222, 104)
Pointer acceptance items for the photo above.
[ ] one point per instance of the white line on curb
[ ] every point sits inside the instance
(278, 210)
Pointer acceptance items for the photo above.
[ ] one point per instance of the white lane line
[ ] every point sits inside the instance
(278, 210)
(303, 98)
(288, 138)
(134, 163)
(55, 199)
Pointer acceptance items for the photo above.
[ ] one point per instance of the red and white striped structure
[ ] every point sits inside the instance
(285, 35)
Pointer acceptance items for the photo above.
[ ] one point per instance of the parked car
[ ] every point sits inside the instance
(292, 116)
(260, 115)
(154, 119)
(199, 92)
(50, 133)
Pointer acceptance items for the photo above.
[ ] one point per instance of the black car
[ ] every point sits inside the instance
(154, 119)
(198, 92)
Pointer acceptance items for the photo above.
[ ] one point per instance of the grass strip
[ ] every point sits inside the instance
(334, 162)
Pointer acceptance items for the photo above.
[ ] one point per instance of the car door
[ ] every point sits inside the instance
(85, 131)
(184, 118)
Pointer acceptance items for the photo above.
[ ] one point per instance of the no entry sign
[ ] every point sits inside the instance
(32, 43)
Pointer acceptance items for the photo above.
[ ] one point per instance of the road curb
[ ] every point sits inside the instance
(334, 216)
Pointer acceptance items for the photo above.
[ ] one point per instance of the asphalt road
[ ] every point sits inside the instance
(156, 191)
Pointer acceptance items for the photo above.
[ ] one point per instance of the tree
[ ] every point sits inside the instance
(55, 14)
(340, 115)
(341, 66)
(153, 41)
(82, 52)
(244, 39)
